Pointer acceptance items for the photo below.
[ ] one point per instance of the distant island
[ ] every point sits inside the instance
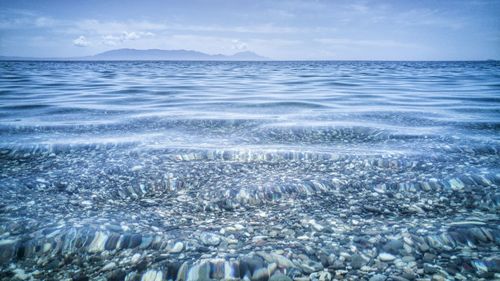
(154, 54)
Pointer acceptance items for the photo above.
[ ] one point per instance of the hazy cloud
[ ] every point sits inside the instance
(25, 21)
(238, 45)
(45, 22)
(364, 43)
(112, 27)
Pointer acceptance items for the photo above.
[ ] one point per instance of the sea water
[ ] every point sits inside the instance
(249, 170)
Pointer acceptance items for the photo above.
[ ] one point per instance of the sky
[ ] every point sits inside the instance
(282, 30)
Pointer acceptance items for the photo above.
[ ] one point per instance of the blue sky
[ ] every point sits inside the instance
(289, 29)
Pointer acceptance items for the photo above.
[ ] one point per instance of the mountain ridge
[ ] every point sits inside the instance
(153, 54)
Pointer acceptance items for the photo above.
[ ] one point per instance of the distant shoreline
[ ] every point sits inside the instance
(176, 60)
(151, 55)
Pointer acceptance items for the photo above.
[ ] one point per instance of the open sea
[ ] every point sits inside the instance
(255, 171)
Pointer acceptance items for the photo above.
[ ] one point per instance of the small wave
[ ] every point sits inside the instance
(284, 104)
(25, 106)
(329, 135)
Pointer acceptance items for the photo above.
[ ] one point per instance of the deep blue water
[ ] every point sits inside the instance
(373, 152)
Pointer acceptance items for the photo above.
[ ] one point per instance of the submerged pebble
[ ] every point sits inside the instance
(386, 257)
(249, 171)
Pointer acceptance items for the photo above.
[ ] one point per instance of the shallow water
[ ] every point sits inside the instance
(249, 170)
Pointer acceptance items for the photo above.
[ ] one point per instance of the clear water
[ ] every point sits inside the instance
(313, 161)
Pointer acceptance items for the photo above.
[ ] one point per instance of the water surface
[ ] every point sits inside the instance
(248, 170)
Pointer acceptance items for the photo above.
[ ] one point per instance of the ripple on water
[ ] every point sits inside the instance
(249, 170)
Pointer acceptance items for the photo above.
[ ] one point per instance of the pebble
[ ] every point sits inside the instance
(430, 269)
(393, 246)
(109, 266)
(281, 229)
(20, 274)
(378, 277)
(152, 275)
(357, 261)
(210, 239)
(386, 257)
(325, 276)
(135, 258)
(280, 277)
(316, 226)
(408, 273)
(428, 257)
(178, 246)
(437, 277)
(338, 264)
(136, 168)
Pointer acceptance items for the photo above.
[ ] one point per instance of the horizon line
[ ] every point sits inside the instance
(42, 59)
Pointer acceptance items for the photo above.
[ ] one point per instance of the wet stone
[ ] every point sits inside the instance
(279, 277)
(428, 257)
(408, 274)
(210, 239)
(430, 269)
(357, 261)
(378, 277)
(397, 278)
(393, 246)
(338, 265)
(142, 265)
(310, 266)
(176, 247)
(81, 277)
(116, 275)
(386, 257)
(109, 266)
(135, 258)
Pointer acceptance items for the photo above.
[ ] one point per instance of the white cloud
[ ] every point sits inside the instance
(238, 45)
(130, 35)
(113, 40)
(110, 40)
(136, 35)
(81, 41)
